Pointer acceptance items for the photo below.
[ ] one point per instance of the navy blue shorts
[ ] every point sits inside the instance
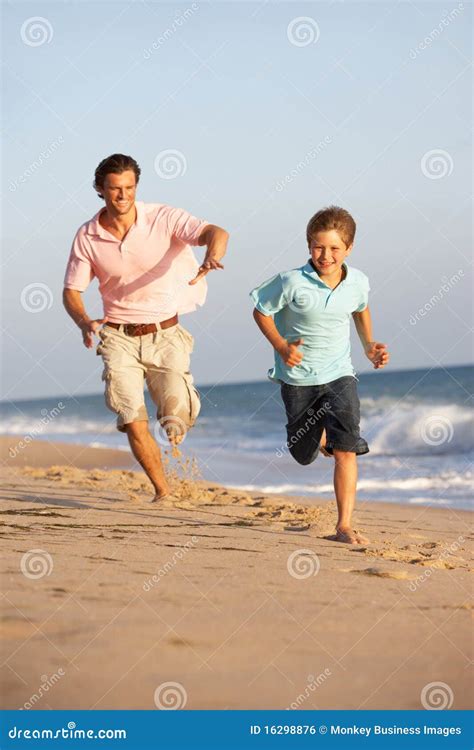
(310, 409)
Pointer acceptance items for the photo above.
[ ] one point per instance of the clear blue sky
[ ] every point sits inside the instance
(275, 118)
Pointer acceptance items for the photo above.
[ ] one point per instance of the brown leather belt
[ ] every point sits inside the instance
(141, 329)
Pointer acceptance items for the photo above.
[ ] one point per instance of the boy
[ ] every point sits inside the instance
(305, 314)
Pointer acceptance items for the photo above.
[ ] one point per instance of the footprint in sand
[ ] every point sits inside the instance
(381, 573)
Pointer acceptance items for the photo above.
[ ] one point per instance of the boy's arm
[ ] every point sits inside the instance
(289, 352)
(376, 352)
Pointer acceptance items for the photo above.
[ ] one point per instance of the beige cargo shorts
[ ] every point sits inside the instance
(162, 359)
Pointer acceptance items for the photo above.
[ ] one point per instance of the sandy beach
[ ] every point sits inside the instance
(240, 600)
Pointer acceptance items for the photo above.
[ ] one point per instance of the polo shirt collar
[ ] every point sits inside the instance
(309, 271)
(95, 228)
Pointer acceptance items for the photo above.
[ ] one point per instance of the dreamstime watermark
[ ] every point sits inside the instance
(312, 418)
(436, 564)
(170, 429)
(436, 164)
(437, 31)
(303, 563)
(313, 684)
(437, 696)
(437, 297)
(170, 696)
(303, 31)
(303, 164)
(36, 563)
(36, 297)
(46, 684)
(178, 21)
(36, 164)
(36, 31)
(170, 164)
(47, 418)
(170, 564)
(437, 430)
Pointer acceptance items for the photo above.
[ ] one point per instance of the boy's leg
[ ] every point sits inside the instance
(345, 484)
(345, 444)
(305, 420)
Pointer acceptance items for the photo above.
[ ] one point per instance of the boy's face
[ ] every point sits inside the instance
(328, 252)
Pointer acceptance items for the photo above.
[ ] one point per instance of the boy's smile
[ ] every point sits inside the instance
(328, 253)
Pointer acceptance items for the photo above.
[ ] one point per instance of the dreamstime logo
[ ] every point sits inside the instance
(311, 419)
(437, 696)
(436, 164)
(178, 21)
(303, 163)
(303, 563)
(170, 430)
(170, 696)
(312, 685)
(302, 31)
(46, 418)
(36, 563)
(169, 565)
(170, 164)
(437, 31)
(437, 430)
(446, 287)
(436, 564)
(303, 299)
(36, 164)
(46, 684)
(36, 297)
(35, 31)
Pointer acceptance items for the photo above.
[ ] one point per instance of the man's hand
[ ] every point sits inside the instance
(290, 353)
(210, 264)
(216, 240)
(90, 328)
(378, 354)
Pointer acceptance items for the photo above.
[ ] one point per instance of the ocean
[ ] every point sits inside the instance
(418, 423)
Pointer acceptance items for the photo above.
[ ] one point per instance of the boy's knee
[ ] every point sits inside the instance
(303, 459)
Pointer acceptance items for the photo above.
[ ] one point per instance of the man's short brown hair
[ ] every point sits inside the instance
(329, 218)
(116, 163)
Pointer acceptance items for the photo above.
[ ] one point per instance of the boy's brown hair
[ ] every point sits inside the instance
(329, 218)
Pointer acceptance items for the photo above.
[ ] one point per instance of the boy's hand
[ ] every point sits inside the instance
(290, 353)
(378, 354)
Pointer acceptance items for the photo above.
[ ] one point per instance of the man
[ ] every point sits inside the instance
(148, 274)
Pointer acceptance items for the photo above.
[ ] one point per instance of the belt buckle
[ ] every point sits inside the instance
(130, 329)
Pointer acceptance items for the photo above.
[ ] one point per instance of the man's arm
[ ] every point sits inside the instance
(289, 352)
(376, 352)
(216, 240)
(74, 305)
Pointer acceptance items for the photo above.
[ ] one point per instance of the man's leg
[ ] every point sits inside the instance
(345, 484)
(148, 455)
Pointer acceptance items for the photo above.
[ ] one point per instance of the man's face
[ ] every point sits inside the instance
(119, 192)
(328, 252)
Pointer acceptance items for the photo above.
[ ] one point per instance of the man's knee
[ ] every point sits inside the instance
(136, 429)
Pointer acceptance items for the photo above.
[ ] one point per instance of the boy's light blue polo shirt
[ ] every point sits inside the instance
(305, 307)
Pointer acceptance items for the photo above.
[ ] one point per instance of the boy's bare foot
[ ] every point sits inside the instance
(322, 445)
(349, 536)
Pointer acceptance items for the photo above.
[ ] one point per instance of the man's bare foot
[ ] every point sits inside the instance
(349, 536)
(167, 499)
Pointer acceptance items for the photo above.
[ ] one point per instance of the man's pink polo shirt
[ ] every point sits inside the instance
(143, 278)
